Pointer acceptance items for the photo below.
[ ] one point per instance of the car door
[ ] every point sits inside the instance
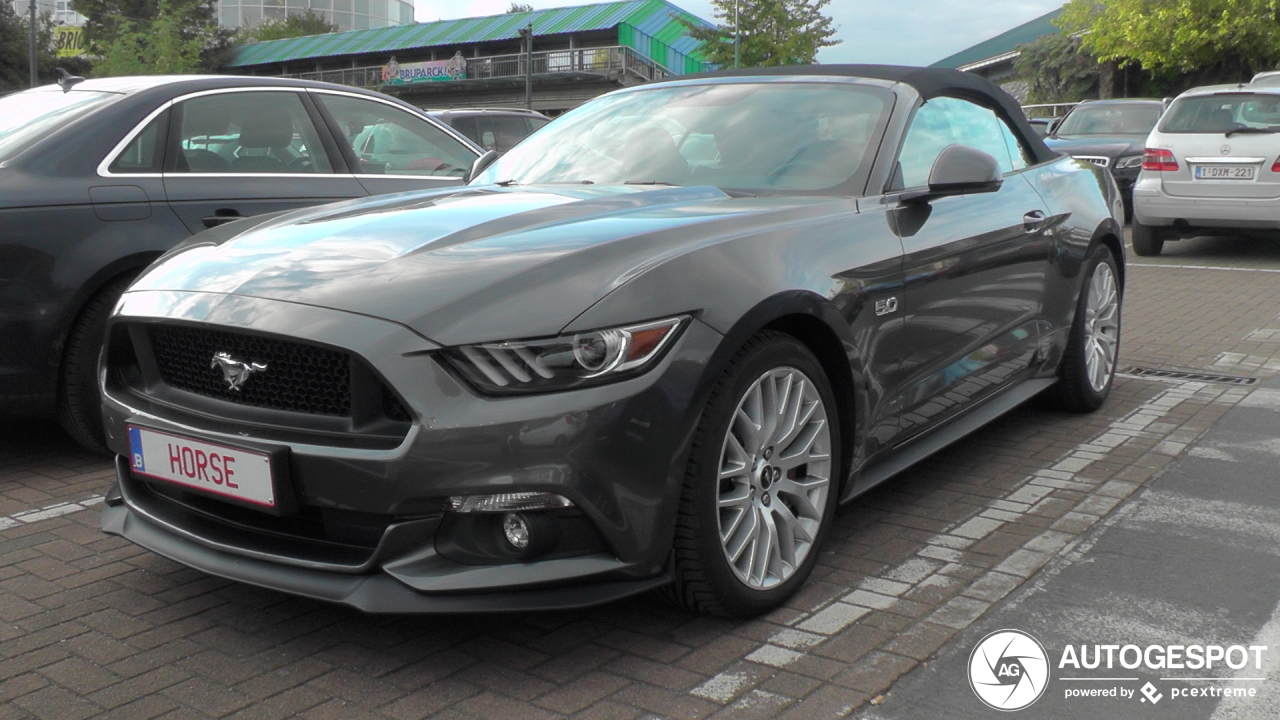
(394, 149)
(975, 268)
(242, 152)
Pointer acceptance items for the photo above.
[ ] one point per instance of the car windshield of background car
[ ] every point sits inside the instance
(1223, 113)
(754, 137)
(28, 116)
(1110, 120)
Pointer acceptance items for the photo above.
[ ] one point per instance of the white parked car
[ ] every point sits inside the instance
(1211, 167)
(1269, 79)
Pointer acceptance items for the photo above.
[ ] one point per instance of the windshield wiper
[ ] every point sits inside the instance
(650, 182)
(506, 183)
(1253, 130)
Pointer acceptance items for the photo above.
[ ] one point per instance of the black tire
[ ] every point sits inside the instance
(1074, 392)
(79, 406)
(1147, 241)
(704, 579)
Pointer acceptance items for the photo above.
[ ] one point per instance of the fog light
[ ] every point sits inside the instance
(507, 502)
(516, 529)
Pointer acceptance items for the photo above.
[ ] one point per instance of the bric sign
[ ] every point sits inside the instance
(455, 68)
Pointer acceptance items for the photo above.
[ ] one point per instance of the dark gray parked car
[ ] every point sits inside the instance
(98, 181)
(497, 129)
(653, 346)
(1111, 134)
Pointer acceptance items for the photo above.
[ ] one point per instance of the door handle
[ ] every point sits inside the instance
(221, 216)
(1033, 222)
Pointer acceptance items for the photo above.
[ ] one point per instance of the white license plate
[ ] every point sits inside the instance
(1224, 172)
(231, 472)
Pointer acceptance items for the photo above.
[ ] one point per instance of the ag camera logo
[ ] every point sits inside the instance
(1008, 670)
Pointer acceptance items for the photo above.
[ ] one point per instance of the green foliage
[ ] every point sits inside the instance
(158, 47)
(154, 36)
(1056, 70)
(1177, 36)
(519, 8)
(293, 25)
(15, 38)
(773, 32)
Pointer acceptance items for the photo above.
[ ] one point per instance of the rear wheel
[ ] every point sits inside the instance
(79, 406)
(1147, 241)
(760, 488)
(1089, 363)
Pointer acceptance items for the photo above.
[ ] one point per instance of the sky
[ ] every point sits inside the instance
(899, 32)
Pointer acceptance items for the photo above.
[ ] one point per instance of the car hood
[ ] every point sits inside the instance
(1112, 146)
(471, 264)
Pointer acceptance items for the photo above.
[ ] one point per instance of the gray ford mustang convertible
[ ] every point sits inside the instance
(652, 347)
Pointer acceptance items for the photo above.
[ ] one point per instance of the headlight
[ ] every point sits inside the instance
(1132, 161)
(566, 362)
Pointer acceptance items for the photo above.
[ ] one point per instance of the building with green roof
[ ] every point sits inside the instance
(578, 53)
(994, 58)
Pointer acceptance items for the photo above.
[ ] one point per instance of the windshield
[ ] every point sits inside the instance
(744, 136)
(28, 116)
(1110, 119)
(1223, 113)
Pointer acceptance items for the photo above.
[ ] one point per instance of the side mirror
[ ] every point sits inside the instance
(1053, 126)
(959, 170)
(479, 166)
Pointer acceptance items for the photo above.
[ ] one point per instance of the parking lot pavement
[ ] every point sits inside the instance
(91, 625)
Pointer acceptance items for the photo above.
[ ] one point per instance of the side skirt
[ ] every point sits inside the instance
(920, 448)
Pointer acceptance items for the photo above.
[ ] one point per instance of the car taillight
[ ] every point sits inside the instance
(1276, 167)
(1159, 160)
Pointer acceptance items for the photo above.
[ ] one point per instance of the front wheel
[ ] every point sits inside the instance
(1093, 347)
(760, 488)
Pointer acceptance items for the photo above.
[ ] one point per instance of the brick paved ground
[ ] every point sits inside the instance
(90, 625)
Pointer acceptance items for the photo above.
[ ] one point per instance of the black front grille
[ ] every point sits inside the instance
(298, 377)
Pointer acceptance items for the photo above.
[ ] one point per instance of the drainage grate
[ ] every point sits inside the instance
(1137, 371)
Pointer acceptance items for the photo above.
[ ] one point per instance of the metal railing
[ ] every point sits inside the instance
(1052, 110)
(617, 60)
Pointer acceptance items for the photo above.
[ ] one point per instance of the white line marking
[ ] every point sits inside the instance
(49, 511)
(1200, 267)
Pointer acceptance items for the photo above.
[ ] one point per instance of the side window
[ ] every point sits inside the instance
(945, 121)
(467, 126)
(143, 154)
(248, 132)
(389, 140)
(507, 131)
(1017, 153)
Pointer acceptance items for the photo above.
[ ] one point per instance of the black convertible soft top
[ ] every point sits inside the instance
(929, 82)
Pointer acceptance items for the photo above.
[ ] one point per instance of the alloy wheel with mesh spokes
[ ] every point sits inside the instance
(774, 479)
(1093, 345)
(762, 481)
(1101, 327)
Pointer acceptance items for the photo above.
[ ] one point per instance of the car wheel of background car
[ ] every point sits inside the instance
(760, 488)
(1089, 365)
(1146, 240)
(79, 407)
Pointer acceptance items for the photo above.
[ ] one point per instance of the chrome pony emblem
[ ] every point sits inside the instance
(234, 371)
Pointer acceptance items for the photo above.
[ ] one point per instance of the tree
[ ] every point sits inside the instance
(519, 8)
(772, 32)
(15, 41)
(1177, 35)
(1056, 70)
(135, 25)
(293, 25)
(158, 47)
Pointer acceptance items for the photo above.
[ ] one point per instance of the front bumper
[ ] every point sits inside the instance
(1154, 207)
(620, 461)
